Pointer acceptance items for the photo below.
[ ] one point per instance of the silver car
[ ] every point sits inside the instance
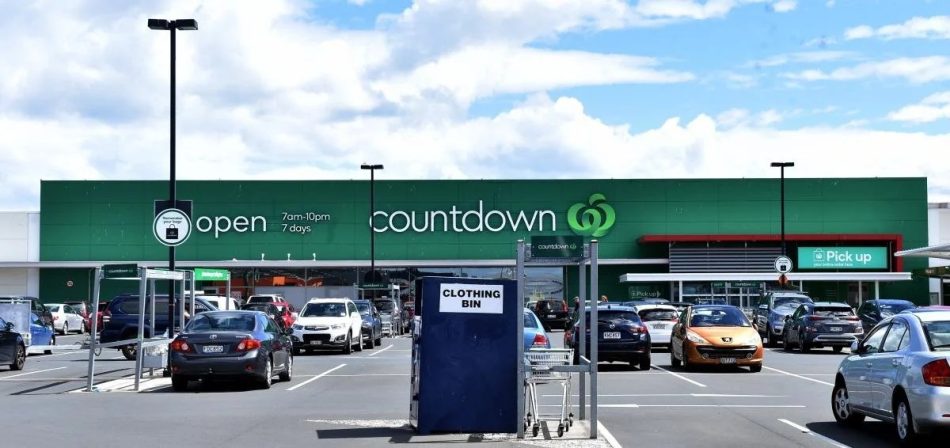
(899, 373)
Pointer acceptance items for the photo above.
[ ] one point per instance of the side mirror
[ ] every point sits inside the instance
(854, 347)
(289, 331)
(8, 326)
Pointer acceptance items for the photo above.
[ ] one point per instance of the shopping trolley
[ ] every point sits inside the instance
(538, 371)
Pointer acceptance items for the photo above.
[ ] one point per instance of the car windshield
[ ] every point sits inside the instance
(256, 307)
(657, 314)
(385, 306)
(938, 334)
(890, 309)
(364, 308)
(222, 322)
(324, 310)
(529, 321)
(833, 311)
(260, 299)
(718, 317)
(790, 301)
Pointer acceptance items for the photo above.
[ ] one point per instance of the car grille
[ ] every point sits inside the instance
(316, 337)
(716, 353)
(316, 327)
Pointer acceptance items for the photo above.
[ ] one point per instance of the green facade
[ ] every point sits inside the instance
(111, 220)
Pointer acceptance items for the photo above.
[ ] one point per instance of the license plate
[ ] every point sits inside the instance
(727, 360)
(551, 316)
(316, 342)
(213, 349)
(659, 326)
(836, 329)
(612, 335)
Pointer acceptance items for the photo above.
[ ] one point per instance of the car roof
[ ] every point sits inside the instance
(835, 304)
(655, 306)
(610, 307)
(714, 306)
(891, 301)
(929, 315)
(329, 300)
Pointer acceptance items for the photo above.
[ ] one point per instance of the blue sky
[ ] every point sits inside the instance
(447, 89)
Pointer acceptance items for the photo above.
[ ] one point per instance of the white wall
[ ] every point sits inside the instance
(20, 242)
(938, 232)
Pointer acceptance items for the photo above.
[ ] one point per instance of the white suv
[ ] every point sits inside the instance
(328, 324)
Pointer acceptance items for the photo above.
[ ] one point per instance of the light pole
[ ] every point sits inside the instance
(781, 166)
(372, 209)
(171, 26)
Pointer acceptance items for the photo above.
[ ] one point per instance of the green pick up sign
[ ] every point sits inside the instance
(568, 246)
(842, 257)
(202, 274)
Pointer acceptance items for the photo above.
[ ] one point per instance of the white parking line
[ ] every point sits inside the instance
(315, 378)
(799, 376)
(30, 373)
(634, 406)
(383, 350)
(680, 376)
(808, 431)
(683, 395)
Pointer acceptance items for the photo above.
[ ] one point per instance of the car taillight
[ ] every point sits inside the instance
(853, 318)
(540, 340)
(814, 318)
(637, 330)
(936, 373)
(179, 345)
(106, 316)
(55, 317)
(248, 344)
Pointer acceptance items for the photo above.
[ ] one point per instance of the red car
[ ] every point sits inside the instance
(285, 308)
(87, 319)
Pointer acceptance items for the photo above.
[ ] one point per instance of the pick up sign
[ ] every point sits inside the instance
(468, 298)
(842, 257)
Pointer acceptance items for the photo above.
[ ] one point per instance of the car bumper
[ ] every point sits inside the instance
(832, 339)
(319, 340)
(930, 406)
(252, 363)
(713, 355)
(621, 351)
(777, 328)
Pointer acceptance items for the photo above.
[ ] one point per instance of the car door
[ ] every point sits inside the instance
(887, 366)
(794, 324)
(679, 332)
(73, 317)
(869, 316)
(356, 321)
(279, 348)
(858, 367)
(8, 344)
(41, 333)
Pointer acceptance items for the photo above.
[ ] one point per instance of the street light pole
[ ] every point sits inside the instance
(782, 166)
(372, 209)
(171, 26)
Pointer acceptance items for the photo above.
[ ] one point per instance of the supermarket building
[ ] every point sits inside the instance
(674, 238)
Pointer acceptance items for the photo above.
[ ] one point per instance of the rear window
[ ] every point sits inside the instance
(260, 299)
(53, 308)
(614, 315)
(834, 311)
(222, 322)
(529, 321)
(384, 306)
(890, 309)
(657, 314)
(131, 306)
(548, 305)
(938, 334)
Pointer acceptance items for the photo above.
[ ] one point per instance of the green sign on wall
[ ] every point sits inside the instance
(204, 274)
(842, 257)
(120, 270)
(646, 291)
(557, 247)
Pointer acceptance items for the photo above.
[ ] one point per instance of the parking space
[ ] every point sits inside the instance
(362, 399)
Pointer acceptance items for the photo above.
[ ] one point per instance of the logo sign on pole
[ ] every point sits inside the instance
(120, 270)
(783, 265)
(567, 246)
(470, 298)
(203, 274)
(171, 227)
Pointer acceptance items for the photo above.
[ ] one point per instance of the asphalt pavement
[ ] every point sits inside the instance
(362, 400)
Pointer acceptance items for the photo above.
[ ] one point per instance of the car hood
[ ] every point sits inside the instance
(738, 335)
(321, 320)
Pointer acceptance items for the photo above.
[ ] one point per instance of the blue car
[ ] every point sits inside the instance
(534, 335)
(372, 323)
(40, 333)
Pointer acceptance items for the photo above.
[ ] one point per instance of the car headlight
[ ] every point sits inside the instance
(752, 340)
(297, 327)
(695, 338)
(336, 326)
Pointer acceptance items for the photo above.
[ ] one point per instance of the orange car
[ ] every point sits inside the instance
(715, 335)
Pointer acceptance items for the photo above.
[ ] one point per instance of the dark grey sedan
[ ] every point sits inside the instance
(235, 344)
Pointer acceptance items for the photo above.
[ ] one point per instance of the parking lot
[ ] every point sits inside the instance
(363, 400)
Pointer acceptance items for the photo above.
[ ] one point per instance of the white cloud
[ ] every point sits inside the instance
(916, 70)
(934, 107)
(803, 57)
(937, 27)
(734, 118)
(784, 5)
(358, 2)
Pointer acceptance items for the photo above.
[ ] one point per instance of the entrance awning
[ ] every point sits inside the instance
(938, 251)
(767, 277)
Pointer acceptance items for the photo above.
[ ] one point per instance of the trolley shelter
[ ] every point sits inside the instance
(563, 251)
(148, 348)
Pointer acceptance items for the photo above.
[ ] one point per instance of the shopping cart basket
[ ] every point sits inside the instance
(538, 371)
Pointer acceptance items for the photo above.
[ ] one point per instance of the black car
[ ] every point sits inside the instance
(121, 319)
(821, 324)
(267, 308)
(12, 347)
(231, 344)
(873, 311)
(621, 336)
(553, 313)
(372, 324)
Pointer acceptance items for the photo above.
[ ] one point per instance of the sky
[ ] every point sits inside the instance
(475, 89)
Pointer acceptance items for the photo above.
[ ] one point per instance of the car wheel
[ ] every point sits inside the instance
(297, 351)
(755, 368)
(370, 343)
(841, 406)
(359, 341)
(19, 360)
(52, 341)
(674, 361)
(771, 337)
(65, 328)
(268, 378)
(288, 373)
(836, 349)
(804, 346)
(786, 345)
(129, 352)
(685, 359)
(348, 345)
(645, 363)
(379, 338)
(179, 383)
(904, 422)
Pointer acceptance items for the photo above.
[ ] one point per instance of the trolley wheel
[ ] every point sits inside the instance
(560, 430)
(535, 429)
(570, 420)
